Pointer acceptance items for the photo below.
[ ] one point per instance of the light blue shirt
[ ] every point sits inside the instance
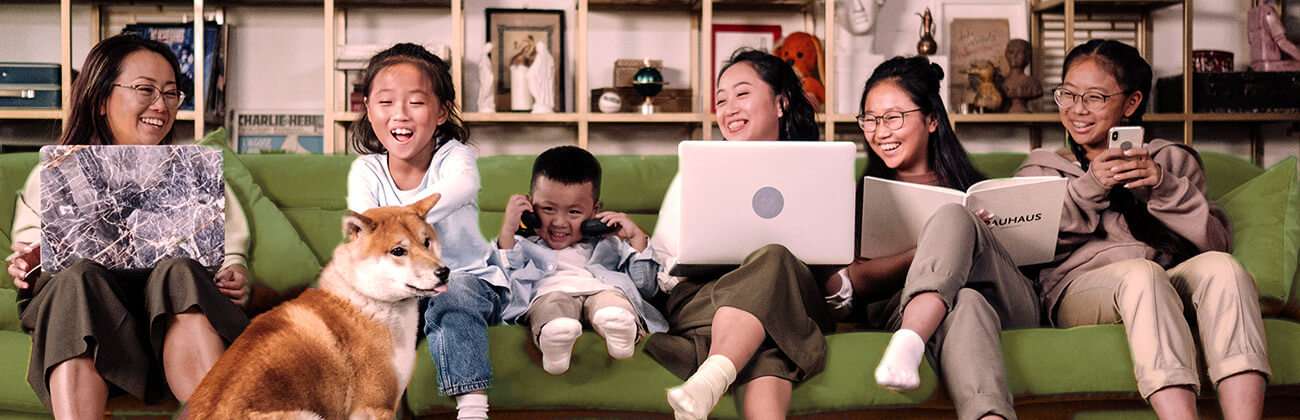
(613, 262)
(454, 174)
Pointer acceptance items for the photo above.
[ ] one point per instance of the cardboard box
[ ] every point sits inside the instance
(669, 100)
(625, 68)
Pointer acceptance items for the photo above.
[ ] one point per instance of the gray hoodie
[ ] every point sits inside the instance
(1093, 236)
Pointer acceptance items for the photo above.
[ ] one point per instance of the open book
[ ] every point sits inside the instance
(1027, 214)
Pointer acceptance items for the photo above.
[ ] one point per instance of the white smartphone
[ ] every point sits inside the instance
(1126, 137)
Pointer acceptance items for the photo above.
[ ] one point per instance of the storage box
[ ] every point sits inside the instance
(668, 100)
(29, 85)
(1232, 92)
(625, 68)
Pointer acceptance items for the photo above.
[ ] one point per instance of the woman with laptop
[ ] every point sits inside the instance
(96, 331)
(761, 325)
(1139, 240)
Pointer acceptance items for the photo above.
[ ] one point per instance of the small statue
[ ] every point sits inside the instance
(927, 46)
(487, 79)
(1268, 44)
(541, 80)
(520, 99)
(860, 15)
(804, 53)
(1019, 87)
(982, 94)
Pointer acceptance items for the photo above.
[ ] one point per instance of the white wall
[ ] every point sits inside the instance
(276, 63)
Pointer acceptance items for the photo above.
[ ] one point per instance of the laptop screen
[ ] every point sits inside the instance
(130, 207)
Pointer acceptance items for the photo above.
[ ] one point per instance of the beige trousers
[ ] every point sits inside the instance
(1150, 302)
(958, 258)
(548, 307)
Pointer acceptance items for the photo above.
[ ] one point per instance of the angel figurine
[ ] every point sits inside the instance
(487, 79)
(541, 80)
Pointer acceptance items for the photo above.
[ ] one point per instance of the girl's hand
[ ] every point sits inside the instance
(233, 283)
(1103, 167)
(25, 257)
(628, 230)
(1138, 170)
(986, 216)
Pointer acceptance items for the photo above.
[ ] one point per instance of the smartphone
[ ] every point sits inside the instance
(1126, 137)
(529, 222)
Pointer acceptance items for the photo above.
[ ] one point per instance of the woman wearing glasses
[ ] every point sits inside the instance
(95, 331)
(1139, 240)
(958, 288)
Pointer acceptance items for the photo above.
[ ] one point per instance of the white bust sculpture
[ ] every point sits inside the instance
(541, 80)
(860, 15)
(487, 80)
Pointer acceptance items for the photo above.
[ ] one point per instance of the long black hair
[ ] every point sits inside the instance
(944, 154)
(1133, 73)
(363, 138)
(798, 121)
(92, 88)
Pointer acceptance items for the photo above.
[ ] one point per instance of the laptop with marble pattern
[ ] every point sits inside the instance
(130, 207)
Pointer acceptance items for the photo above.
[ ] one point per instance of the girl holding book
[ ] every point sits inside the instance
(952, 294)
(1139, 240)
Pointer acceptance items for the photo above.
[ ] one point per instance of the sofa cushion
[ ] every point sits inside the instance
(639, 383)
(311, 191)
(15, 393)
(1224, 172)
(14, 168)
(277, 258)
(1265, 215)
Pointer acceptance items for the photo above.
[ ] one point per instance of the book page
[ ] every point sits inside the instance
(1027, 215)
(894, 212)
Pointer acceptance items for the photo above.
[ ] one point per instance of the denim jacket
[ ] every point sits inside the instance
(613, 261)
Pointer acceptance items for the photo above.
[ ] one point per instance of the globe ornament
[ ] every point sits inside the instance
(648, 82)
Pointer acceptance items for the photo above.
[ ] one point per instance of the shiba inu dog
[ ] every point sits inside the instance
(345, 350)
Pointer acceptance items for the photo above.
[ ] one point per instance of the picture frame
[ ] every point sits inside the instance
(508, 28)
(727, 38)
(1014, 12)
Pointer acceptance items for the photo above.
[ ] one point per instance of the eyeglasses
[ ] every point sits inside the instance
(892, 119)
(1092, 101)
(148, 93)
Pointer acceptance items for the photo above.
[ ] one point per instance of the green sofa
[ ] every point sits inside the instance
(295, 202)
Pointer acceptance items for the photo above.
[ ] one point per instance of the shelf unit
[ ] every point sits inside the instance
(702, 14)
(582, 117)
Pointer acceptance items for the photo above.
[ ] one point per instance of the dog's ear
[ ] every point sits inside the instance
(354, 224)
(423, 206)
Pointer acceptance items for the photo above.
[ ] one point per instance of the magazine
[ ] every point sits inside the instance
(1027, 214)
(278, 132)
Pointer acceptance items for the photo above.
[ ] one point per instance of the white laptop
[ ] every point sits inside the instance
(738, 196)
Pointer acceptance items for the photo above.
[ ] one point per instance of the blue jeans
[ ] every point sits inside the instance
(455, 323)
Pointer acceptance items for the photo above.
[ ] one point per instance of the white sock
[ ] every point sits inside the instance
(556, 342)
(898, 367)
(694, 400)
(472, 406)
(618, 326)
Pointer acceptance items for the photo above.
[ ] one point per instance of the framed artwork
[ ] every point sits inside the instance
(513, 34)
(973, 40)
(726, 39)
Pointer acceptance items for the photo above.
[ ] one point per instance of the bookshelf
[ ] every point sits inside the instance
(702, 15)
